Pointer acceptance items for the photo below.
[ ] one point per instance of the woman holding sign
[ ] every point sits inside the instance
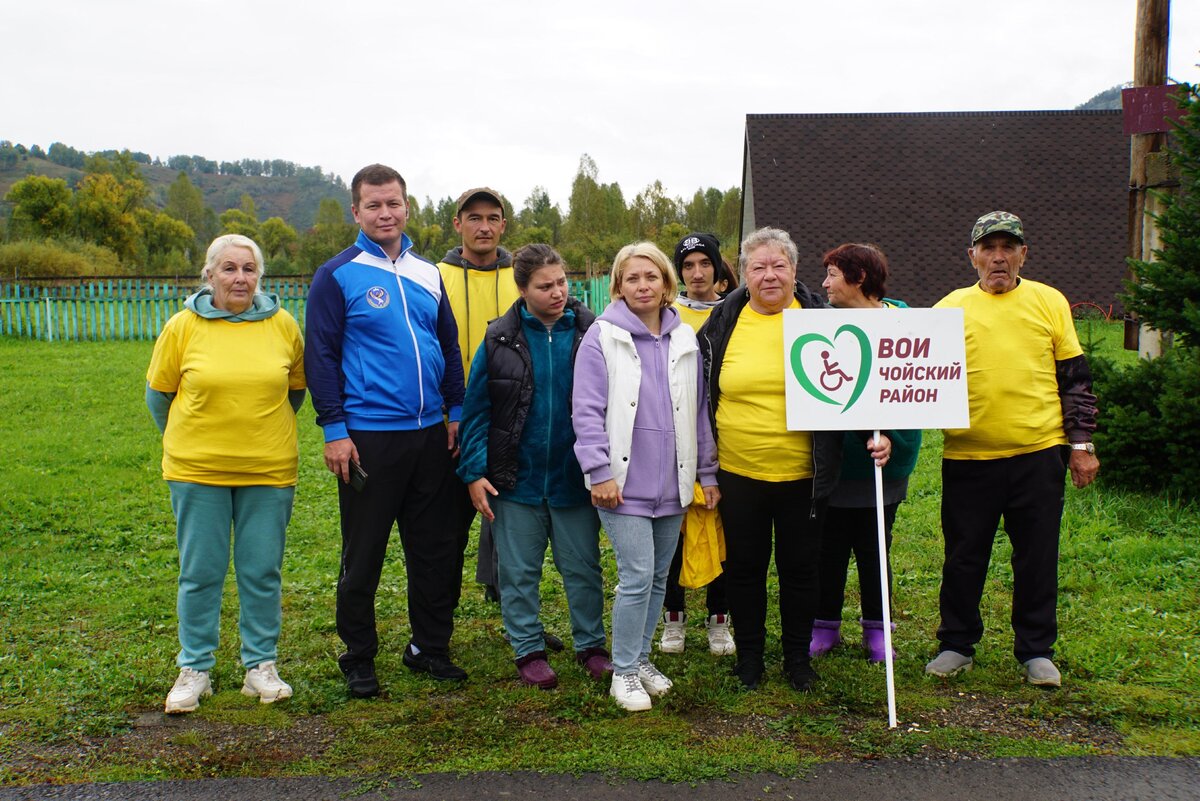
(775, 483)
(856, 278)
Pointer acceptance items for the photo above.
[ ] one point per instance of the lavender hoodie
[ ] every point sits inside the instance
(652, 484)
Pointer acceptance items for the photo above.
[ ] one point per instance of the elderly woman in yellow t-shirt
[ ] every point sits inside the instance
(224, 384)
(775, 483)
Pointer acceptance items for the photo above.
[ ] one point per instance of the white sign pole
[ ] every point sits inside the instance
(885, 595)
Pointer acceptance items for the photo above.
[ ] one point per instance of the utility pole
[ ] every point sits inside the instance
(1148, 168)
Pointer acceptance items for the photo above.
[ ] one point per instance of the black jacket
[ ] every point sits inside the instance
(714, 338)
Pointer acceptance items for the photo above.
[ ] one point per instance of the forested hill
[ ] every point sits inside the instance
(278, 188)
(125, 213)
(1108, 99)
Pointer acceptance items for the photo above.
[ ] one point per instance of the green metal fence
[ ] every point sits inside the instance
(592, 291)
(125, 308)
(110, 308)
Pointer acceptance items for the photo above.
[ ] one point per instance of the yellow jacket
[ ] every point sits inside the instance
(703, 544)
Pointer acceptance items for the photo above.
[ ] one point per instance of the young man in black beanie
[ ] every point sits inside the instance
(702, 279)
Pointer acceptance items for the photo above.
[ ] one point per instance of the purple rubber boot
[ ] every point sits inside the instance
(826, 635)
(873, 640)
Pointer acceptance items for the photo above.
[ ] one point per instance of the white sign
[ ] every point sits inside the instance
(871, 369)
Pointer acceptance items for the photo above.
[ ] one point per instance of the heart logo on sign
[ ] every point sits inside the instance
(831, 377)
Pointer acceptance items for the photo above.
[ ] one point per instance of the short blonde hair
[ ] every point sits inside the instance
(217, 249)
(651, 252)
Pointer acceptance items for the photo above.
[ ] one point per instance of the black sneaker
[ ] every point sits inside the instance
(799, 672)
(361, 680)
(749, 670)
(437, 665)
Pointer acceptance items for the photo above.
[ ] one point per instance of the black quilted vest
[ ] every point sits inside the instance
(510, 386)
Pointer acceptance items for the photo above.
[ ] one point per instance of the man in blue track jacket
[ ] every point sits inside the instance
(385, 372)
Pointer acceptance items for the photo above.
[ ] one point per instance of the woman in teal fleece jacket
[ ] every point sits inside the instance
(856, 277)
(519, 463)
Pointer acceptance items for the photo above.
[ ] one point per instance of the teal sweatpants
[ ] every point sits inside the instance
(522, 532)
(203, 517)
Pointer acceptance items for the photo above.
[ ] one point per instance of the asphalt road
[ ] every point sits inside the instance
(1082, 779)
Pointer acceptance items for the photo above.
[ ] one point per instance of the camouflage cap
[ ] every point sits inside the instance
(997, 222)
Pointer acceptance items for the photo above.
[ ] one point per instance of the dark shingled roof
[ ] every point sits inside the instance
(915, 183)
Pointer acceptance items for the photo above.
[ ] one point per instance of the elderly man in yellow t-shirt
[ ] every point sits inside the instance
(1032, 418)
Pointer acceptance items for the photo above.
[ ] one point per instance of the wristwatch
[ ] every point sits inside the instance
(1084, 446)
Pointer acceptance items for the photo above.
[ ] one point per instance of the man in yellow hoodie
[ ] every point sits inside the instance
(479, 284)
(478, 273)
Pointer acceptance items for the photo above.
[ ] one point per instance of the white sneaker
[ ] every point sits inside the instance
(190, 687)
(672, 640)
(1042, 672)
(629, 693)
(262, 681)
(652, 679)
(949, 663)
(720, 641)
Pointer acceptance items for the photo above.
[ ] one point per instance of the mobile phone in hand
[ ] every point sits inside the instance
(358, 476)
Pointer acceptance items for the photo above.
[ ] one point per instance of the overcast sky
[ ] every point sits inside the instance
(510, 94)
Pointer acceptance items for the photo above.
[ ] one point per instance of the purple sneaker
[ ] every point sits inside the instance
(596, 662)
(535, 671)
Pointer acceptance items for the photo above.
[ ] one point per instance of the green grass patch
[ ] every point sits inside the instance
(87, 634)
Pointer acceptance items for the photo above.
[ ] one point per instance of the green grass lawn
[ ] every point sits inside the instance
(87, 627)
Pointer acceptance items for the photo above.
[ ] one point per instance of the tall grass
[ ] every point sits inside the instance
(87, 634)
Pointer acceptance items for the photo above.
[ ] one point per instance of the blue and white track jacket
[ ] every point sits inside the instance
(381, 345)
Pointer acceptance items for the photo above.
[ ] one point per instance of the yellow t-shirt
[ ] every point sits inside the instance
(230, 424)
(1012, 343)
(694, 318)
(752, 435)
(476, 297)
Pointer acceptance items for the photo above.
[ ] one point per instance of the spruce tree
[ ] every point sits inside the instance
(1150, 411)
(1167, 292)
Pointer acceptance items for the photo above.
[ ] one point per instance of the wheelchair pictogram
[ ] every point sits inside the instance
(832, 372)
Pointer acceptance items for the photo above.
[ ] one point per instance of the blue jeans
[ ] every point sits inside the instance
(521, 532)
(644, 547)
(203, 516)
